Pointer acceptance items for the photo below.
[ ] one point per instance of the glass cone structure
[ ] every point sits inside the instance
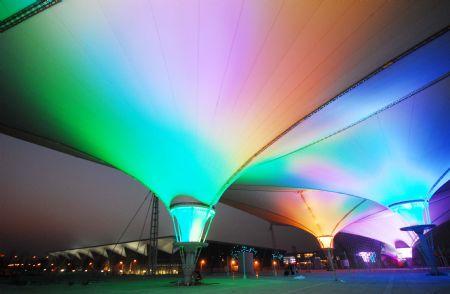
(326, 242)
(191, 221)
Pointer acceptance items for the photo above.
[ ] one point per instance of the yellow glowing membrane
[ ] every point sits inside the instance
(180, 94)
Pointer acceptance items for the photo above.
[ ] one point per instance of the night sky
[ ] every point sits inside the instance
(52, 201)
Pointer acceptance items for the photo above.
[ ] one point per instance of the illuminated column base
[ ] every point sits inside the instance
(189, 252)
(191, 221)
(326, 243)
(416, 214)
(426, 249)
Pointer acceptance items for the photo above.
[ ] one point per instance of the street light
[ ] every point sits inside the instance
(202, 263)
(233, 263)
(256, 267)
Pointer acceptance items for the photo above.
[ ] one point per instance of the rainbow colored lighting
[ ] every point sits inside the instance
(378, 159)
(192, 97)
(180, 95)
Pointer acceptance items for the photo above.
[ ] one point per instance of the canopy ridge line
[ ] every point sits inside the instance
(311, 212)
(347, 214)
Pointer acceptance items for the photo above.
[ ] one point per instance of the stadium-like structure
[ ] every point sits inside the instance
(320, 115)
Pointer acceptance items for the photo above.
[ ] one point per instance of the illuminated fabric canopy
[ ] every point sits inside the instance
(397, 155)
(181, 95)
(411, 73)
(383, 226)
(320, 213)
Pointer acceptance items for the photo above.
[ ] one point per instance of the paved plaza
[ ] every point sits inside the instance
(365, 281)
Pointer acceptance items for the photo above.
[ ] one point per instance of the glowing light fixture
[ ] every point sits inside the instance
(325, 242)
(190, 221)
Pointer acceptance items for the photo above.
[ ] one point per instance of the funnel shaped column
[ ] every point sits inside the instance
(416, 214)
(191, 222)
(326, 243)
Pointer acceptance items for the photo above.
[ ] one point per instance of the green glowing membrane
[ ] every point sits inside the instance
(73, 84)
(9, 7)
(190, 222)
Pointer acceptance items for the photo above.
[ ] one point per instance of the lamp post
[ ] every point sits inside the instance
(121, 267)
(243, 265)
(256, 267)
(233, 263)
(202, 263)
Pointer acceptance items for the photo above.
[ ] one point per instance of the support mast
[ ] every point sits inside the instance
(153, 240)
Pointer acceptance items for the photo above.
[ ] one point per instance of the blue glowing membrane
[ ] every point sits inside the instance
(190, 222)
(412, 212)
